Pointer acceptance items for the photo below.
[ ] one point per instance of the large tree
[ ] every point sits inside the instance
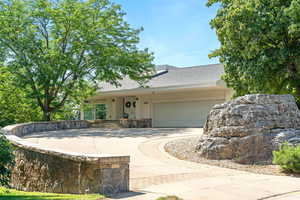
(260, 45)
(15, 106)
(62, 48)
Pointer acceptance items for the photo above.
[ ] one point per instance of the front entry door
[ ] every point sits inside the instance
(130, 107)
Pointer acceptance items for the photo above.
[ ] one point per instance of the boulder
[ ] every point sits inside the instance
(248, 128)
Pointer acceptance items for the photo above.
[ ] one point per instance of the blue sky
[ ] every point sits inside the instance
(177, 31)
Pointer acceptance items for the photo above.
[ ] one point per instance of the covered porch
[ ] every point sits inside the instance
(126, 111)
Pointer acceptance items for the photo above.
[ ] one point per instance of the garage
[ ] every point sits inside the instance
(182, 114)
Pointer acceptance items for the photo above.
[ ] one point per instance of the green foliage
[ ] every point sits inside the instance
(59, 50)
(10, 194)
(169, 198)
(15, 106)
(100, 111)
(288, 157)
(260, 41)
(6, 160)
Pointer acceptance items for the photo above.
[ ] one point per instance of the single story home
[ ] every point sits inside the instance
(174, 97)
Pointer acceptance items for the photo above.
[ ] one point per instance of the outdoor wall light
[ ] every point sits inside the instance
(128, 104)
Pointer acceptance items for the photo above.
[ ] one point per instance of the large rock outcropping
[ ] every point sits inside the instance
(247, 129)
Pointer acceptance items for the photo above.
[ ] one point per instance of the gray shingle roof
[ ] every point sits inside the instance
(165, 67)
(174, 77)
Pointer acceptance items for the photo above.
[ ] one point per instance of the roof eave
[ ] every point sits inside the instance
(144, 91)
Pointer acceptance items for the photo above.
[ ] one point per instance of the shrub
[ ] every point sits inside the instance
(169, 198)
(6, 160)
(288, 157)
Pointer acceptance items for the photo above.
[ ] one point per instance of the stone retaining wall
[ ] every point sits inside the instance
(21, 130)
(122, 123)
(51, 170)
(136, 123)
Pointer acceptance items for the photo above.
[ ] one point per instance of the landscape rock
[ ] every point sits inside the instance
(248, 128)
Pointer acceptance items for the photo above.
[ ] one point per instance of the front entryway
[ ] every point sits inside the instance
(130, 107)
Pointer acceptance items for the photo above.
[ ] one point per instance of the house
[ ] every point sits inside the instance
(174, 97)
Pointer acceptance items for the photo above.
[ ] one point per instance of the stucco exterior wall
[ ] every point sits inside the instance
(147, 101)
(119, 108)
(144, 104)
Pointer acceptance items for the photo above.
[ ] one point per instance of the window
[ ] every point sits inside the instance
(101, 111)
(89, 112)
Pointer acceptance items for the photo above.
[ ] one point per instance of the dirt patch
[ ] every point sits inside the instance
(184, 149)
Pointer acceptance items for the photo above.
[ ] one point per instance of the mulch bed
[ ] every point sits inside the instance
(184, 149)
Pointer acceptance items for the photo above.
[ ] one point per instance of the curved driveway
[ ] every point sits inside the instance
(154, 173)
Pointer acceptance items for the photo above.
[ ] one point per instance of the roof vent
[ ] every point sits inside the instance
(160, 72)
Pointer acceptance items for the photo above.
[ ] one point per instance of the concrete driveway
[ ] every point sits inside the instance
(154, 173)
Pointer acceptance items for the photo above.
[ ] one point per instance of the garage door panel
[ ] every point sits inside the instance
(177, 123)
(182, 114)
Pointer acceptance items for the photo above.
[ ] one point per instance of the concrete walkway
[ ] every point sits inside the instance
(154, 173)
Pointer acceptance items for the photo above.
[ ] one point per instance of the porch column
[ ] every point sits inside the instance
(138, 108)
(109, 107)
(113, 108)
(81, 114)
(94, 111)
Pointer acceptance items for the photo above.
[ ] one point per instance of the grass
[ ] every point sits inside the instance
(10, 194)
(169, 198)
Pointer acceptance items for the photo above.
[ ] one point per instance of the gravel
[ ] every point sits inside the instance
(184, 149)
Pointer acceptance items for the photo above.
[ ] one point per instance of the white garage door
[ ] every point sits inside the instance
(182, 114)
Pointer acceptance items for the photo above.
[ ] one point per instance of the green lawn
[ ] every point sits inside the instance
(169, 198)
(9, 194)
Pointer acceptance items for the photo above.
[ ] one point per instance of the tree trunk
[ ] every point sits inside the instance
(46, 115)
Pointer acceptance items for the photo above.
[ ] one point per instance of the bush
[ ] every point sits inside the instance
(6, 160)
(288, 157)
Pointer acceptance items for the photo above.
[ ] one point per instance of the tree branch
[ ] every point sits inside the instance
(65, 38)
(44, 31)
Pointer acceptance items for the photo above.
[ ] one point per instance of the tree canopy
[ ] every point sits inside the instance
(15, 106)
(59, 50)
(260, 45)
